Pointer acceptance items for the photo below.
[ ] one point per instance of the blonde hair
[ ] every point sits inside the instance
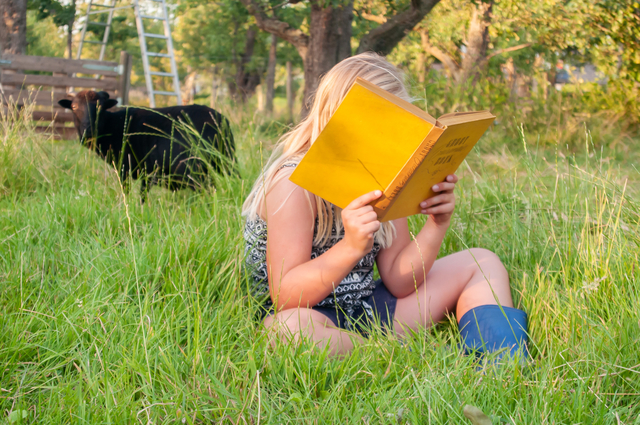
(293, 145)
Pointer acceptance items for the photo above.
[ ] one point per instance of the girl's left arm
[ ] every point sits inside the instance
(405, 264)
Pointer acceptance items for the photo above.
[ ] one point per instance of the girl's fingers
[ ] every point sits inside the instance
(361, 215)
(364, 200)
(368, 217)
(440, 209)
(372, 227)
(444, 186)
(452, 178)
(438, 199)
(362, 211)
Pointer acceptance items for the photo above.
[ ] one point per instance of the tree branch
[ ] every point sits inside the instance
(452, 66)
(374, 18)
(387, 36)
(295, 36)
(506, 50)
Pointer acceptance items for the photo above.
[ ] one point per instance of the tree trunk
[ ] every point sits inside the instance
(271, 74)
(214, 87)
(422, 71)
(13, 26)
(329, 43)
(188, 89)
(289, 88)
(246, 81)
(260, 97)
(474, 59)
(329, 38)
(70, 24)
(70, 39)
(509, 73)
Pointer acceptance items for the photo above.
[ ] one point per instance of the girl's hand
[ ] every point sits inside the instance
(360, 223)
(440, 206)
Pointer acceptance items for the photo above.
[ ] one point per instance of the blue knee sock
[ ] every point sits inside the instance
(486, 329)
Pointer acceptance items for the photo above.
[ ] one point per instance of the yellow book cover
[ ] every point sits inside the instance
(376, 140)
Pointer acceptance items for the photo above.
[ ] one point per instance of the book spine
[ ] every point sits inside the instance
(403, 176)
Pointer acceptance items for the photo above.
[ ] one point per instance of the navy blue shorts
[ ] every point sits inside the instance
(384, 307)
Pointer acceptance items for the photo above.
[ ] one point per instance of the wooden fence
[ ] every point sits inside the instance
(20, 86)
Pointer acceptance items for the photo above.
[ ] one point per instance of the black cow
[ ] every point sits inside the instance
(176, 145)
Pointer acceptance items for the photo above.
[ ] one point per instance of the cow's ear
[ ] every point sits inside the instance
(65, 103)
(103, 95)
(109, 103)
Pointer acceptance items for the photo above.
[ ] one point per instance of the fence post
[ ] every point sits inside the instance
(124, 80)
(6, 71)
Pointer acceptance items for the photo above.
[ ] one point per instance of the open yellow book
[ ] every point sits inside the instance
(376, 140)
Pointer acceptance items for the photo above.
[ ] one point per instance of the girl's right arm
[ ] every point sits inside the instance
(294, 279)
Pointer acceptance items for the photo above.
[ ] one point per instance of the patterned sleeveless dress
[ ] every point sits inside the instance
(349, 296)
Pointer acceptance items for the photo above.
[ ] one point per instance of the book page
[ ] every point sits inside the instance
(462, 117)
(443, 159)
(396, 100)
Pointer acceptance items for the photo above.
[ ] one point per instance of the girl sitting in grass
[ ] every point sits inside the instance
(313, 263)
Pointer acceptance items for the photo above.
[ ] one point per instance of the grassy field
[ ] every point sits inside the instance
(112, 312)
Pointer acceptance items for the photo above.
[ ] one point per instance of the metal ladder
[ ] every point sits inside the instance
(107, 7)
(160, 15)
(143, 35)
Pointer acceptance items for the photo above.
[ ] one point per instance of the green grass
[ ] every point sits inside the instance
(113, 312)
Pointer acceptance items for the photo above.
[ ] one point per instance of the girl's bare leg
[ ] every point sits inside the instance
(458, 282)
(292, 323)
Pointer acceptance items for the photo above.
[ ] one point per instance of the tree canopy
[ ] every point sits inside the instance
(467, 38)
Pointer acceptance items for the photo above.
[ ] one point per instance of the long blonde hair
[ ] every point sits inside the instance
(293, 145)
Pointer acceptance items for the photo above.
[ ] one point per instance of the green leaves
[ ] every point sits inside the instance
(61, 14)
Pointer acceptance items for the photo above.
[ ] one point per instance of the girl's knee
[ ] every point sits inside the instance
(482, 253)
(488, 263)
(292, 320)
(484, 256)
